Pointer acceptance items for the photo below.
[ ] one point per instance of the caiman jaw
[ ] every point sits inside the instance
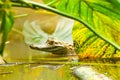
(56, 47)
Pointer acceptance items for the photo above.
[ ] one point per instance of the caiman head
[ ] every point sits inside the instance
(56, 47)
(58, 42)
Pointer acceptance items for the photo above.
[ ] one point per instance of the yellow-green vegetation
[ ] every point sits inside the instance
(87, 45)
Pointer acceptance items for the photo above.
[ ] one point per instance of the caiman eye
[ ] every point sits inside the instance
(50, 42)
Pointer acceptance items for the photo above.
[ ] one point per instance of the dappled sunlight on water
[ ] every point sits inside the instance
(34, 72)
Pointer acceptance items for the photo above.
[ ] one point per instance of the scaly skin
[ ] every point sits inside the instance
(58, 48)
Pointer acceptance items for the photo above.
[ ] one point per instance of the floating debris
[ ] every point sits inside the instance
(88, 73)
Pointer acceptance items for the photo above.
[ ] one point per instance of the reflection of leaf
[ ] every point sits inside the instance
(7, 23)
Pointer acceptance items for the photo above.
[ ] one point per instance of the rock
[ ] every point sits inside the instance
(1, 60)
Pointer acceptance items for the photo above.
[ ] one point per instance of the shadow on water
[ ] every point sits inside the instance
(63, 70)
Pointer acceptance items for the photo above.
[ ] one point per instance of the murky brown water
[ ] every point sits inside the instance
(56, 70)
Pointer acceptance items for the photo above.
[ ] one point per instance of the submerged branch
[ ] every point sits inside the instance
(88, 73)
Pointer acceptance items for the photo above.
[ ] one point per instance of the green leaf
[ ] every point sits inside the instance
(49, 2)
(101, 17)
(7, 23)
(115, 3)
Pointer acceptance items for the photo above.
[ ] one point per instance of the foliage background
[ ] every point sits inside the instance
(97, 32)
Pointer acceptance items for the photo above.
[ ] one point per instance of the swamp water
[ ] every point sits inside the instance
(53, 71)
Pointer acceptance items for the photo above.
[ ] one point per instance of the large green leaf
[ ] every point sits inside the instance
(104, 18)
(101, 17)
